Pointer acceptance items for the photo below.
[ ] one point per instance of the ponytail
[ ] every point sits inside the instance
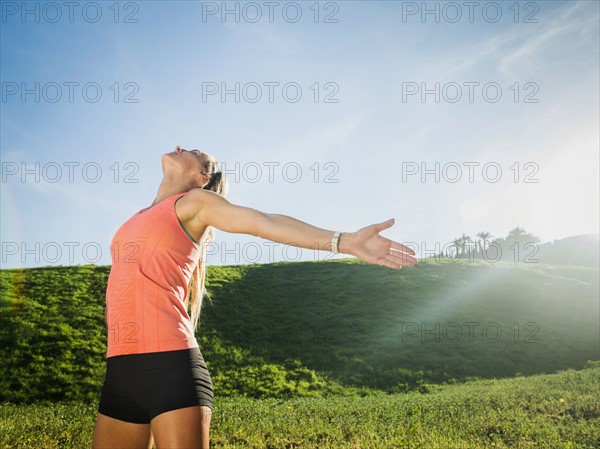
(197, 288)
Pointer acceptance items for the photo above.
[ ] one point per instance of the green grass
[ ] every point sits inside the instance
(315, 328)
(326, 354)
(543, 411)
(345, 318)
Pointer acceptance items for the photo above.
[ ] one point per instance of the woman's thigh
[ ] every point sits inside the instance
(182, 428)
(111, 433)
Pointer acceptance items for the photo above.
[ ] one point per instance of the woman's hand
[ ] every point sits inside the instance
(368, 245)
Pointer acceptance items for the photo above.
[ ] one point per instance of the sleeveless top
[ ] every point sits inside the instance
(153, 258)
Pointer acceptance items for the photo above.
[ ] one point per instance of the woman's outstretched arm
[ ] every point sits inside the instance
(212, 209)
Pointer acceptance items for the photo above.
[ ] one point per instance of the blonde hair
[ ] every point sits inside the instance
(197, 288)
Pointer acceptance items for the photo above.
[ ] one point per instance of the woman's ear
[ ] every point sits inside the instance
(200, 179)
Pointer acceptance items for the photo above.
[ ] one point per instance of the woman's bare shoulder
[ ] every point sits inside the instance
(189, 205)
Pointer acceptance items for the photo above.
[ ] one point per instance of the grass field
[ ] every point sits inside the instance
(316, 328)
(559, 410)
(338, 354)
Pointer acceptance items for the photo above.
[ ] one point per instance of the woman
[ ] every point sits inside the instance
(157, 386)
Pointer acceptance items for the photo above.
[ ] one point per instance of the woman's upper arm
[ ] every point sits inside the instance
(212, 209)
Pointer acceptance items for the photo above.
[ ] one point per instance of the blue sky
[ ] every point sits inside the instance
(541, 125)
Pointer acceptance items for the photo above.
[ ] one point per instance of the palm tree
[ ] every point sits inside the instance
(463, 241)
(457, 244)
(485, 236)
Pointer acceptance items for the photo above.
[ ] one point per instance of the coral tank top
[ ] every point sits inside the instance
(153, 259)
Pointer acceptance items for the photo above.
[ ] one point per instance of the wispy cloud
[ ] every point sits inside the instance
(553, 27)
(520, 41)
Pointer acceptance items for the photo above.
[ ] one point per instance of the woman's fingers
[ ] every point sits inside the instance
(384, 225)
(402, 258)
(401, 247)
(390, 258)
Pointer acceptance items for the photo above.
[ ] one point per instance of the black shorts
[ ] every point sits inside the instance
(139, 387)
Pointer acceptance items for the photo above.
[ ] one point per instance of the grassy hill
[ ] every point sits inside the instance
(543, 411)
(316, 328)
(581, 250)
